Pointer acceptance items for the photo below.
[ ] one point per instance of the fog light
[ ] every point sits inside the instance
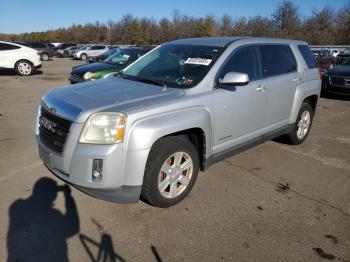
(97, 165)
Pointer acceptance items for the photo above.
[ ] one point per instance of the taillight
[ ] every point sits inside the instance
(320, 72)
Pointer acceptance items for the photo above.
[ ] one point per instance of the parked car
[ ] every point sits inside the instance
(337, 79)
(45, 50)
(67, 52)
(113, 64)
(342, 57)
(24, 60)
(62, 46)
(334, 52)
(324, 60)
(103, 56)
(90, 51)
(181, 107)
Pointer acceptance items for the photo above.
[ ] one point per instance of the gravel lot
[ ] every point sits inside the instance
(234, 212)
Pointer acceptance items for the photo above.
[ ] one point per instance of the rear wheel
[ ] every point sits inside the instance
(302, 126)
(24, 68)
(171, 171)
(44, 57)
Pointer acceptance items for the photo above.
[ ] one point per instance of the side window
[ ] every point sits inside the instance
(6, 47)
(245, 60)
(277, 60)
(307, 55)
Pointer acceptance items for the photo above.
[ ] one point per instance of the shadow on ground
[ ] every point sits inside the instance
(9, 72)
(38, 231)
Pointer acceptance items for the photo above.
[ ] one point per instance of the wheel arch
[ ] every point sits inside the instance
(192, 124)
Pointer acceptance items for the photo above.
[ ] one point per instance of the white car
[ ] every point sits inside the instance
(24, 60)
(334, 52)
(90, 51)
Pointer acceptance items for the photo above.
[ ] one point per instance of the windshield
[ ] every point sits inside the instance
(346, 62)
(120, 57)
(180, 66)
(109, 52)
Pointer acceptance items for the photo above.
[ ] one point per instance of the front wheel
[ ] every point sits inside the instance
(302, 126)
(171, 171)
(24, 68)
(83, 57)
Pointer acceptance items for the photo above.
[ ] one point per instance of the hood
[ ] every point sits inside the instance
(77, 102)
(339, 70)
(81, 69)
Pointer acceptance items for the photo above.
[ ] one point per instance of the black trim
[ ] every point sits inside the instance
(123, 194)
(246, 145)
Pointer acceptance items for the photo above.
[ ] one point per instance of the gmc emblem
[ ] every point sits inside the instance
(44, 122)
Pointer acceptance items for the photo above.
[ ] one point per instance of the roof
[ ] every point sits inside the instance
(207, 41)
(225, 41)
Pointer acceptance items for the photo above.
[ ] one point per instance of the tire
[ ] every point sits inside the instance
(164, 189)
(24, 68)
(83, 57)
(44, 57)
(302, 126)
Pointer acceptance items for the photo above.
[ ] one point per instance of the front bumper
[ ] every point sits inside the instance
(122, 172)
(73, 79)
(328, 88)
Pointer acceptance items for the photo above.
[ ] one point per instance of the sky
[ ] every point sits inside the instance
(19, 16)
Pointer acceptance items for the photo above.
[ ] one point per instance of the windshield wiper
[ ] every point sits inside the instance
(120, 74)
(150, 81)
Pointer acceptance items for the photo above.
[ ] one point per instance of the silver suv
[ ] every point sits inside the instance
(178, 109)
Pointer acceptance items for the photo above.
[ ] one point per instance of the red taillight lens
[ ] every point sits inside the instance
(321, 72)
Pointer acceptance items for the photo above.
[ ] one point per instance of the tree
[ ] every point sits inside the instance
(342, 25)
(286, 20)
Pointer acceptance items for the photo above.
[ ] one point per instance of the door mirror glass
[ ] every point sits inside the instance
(235, 79)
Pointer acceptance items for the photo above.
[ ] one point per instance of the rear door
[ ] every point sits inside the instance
(281, 74)
(8, 55)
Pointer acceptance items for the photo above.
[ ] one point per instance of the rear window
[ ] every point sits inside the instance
(307, 55)
(277, 60)
(5, 47)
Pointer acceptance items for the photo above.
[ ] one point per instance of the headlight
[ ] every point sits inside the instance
(104, 128)
(90, 75)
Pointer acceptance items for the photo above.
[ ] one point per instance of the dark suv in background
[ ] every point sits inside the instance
(45, 50)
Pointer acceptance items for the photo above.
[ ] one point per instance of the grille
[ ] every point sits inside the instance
(77, 76)
(53, 130)
(339, 81)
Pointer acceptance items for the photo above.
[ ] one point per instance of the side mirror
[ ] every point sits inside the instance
(234, 79)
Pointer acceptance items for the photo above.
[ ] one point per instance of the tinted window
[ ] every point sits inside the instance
(245, 60)
(97, 47)
(277, 60)
(37, 45)
(5, 47)
(307, 55)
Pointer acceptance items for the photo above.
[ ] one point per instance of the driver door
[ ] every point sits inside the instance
(240, 111)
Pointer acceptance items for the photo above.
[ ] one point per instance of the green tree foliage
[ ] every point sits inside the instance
(325, 26)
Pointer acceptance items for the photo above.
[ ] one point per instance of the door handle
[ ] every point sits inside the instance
(297, 80)
(261, 87)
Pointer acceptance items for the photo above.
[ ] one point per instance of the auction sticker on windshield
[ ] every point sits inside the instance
(198, 61)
